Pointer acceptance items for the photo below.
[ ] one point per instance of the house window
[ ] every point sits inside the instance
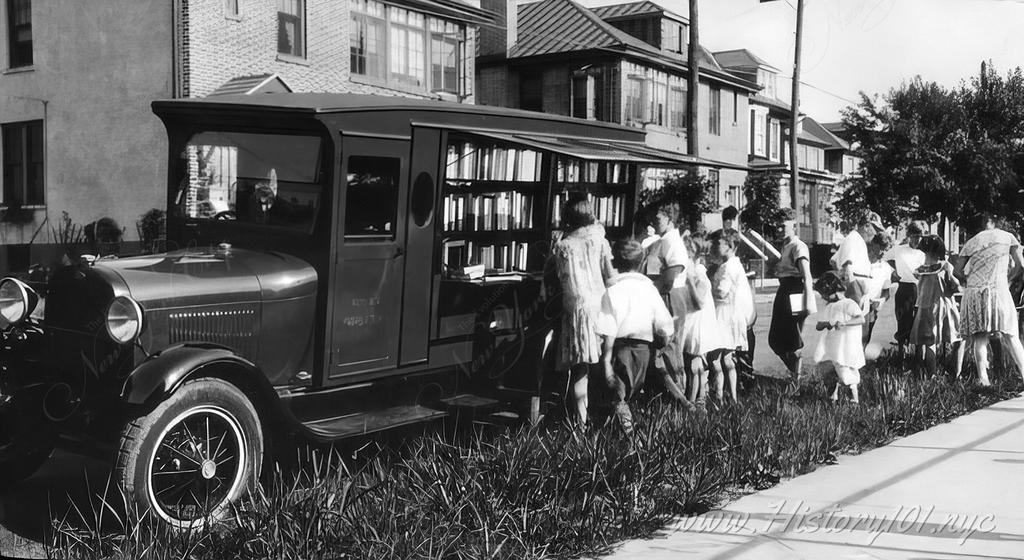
(23, 163)
(531, 86)
(231, 8)
(408, 53)
(19, 33)
(677, 108)
(735, 108)
(634, 100)
(673, 38)
(716, 183)
(715, 111)
(367, 39)
(446, 39)
(417, 44)
(757, 132)
(774, 139)
(659, 99)
(580, 96)
(291, 27)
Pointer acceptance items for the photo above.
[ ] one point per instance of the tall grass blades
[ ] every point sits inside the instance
(540, 492)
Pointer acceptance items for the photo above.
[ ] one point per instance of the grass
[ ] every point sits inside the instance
(541, 492)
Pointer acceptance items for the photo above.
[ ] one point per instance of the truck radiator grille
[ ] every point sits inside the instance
(234, 327)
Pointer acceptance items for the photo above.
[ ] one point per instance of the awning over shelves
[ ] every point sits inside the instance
(604, 150)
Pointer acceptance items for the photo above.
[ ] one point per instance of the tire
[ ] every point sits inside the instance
(186, 462)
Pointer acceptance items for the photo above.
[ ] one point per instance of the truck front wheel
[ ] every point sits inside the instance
(189, 459)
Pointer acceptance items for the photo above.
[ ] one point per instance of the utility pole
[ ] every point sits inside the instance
(794, 161)
(693, 84)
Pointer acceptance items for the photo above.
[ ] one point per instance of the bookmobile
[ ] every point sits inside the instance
(337, 264)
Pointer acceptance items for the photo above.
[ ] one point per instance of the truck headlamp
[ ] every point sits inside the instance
(124, 320)
(17, 301)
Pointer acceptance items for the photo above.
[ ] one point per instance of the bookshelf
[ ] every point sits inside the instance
(501, 203)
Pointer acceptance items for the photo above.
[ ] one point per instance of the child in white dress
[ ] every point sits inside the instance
(734, 308)
(839, 348)
(699, 333)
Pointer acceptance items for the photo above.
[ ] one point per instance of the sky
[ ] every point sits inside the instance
(851, 46)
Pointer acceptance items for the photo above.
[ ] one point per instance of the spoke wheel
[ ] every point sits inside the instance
(194, 455)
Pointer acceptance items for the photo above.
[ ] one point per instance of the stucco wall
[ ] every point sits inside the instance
(93, 82)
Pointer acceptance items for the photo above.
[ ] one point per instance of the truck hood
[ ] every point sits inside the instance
(207, 277)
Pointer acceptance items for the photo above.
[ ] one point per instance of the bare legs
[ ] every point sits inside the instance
(724, 367)
(578, 381)
(1010, 342)
(698, 386)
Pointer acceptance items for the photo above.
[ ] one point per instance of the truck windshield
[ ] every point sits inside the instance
(268, 180)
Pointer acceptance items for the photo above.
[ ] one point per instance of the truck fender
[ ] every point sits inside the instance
(162, 373)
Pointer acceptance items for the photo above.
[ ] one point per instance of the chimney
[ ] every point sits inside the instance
(498, 41)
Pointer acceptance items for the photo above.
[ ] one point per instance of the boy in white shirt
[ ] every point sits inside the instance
(634, 316)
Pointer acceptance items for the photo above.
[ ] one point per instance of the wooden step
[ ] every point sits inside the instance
(368, 422)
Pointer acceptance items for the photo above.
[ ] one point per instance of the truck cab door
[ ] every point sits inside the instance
(367, 277)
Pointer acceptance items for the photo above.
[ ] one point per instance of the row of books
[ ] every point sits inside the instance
(488, 212)
(609, 210)
(466, 160)
(506, 257)
(576, 171)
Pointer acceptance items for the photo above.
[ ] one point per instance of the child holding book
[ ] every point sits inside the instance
(635, 317)
(937, 321)
(734, 308)
(839, 349)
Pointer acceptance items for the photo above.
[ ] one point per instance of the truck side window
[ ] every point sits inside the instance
(371, 205)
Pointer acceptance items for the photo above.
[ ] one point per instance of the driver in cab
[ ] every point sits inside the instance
(263, 205)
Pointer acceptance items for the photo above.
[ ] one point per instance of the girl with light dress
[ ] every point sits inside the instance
(839, 349)
(987, 307)
(699, 333)
(734, 309)
(937, 321)
(583, 262)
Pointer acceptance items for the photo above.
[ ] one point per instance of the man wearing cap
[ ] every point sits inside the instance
(851, 259)
(905, 258)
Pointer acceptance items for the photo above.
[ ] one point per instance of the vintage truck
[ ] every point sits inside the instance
(318, 282)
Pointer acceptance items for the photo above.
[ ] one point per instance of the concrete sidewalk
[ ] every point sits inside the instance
(953, 491)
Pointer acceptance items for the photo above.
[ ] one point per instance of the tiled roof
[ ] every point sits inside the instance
(824, 134)
(633, 9)
(557, 26)
(741, 58)
(260, 83)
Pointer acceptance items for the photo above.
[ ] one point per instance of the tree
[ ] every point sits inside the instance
(764, 213)
(694, 194)
(931, 153)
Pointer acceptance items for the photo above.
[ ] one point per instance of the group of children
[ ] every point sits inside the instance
(683, 308)
(681, 316)
(852, 309)
(710, 325)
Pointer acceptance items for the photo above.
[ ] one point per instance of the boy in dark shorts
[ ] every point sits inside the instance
(633, 317)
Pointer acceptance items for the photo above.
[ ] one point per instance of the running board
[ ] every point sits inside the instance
(375, 421)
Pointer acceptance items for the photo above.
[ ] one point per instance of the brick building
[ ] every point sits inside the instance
(78, 79)
(627, 64)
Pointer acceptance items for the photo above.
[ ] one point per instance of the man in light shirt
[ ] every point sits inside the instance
(905, 259)
(851, 259)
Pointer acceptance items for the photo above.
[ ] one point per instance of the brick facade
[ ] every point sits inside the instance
(223, 47)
